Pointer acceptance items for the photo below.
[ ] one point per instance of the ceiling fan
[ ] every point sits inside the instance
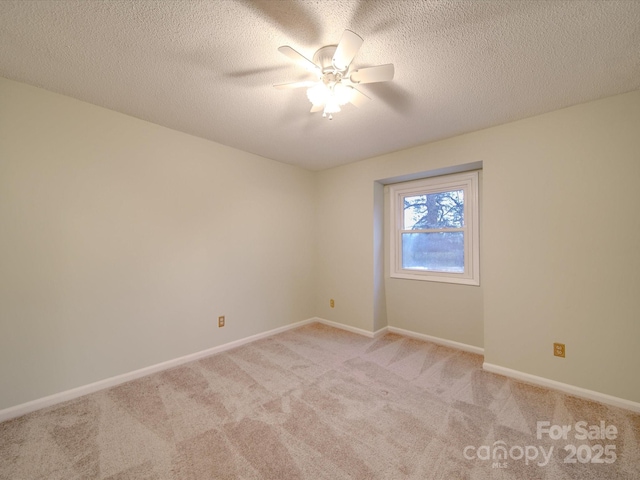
(335, 80)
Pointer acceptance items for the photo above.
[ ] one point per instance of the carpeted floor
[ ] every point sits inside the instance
(322, 403)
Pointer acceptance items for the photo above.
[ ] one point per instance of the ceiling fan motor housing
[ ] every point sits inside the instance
(324, 59)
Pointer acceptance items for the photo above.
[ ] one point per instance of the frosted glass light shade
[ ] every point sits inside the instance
(342, 93)
(332, 105)
(318, 94)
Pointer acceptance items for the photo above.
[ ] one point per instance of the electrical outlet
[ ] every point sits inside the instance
(332, 303)
(221, 321)
(558, 349)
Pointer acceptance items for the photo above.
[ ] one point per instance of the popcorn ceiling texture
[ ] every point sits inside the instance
(207, 67)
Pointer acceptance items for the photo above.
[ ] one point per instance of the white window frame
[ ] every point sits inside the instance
(468, 182)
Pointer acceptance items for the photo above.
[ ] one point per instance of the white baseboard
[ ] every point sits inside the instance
(28, 407)
(406, 333)
(351, 329)
(32, 406)
(563, 387)
(439, 341)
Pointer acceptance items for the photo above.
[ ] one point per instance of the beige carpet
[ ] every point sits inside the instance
(320, 403)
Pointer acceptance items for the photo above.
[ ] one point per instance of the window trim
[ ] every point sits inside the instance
(467, 181)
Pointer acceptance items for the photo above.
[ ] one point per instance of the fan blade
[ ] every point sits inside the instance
(358, 98)
(347, 48)
(379, 73)
(299, 59)
(306, 83)
(317, 108)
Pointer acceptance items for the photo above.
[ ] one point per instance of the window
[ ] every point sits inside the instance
(434, 229)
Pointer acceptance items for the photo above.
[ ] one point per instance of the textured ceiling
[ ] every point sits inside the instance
(207, 67)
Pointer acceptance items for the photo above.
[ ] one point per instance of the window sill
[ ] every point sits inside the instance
(442, 278)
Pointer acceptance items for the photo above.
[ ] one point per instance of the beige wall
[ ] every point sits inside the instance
(443, 310)
(351, 210)
(561, 238)
(559, 247)
(122, 241)
(345, 265)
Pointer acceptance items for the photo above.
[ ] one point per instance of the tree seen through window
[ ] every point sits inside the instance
(438, 241)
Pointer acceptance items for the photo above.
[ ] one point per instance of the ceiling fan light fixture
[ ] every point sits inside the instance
(329, 96)
(318, 94)
(342, 93)
(335, 79)
(331, 106)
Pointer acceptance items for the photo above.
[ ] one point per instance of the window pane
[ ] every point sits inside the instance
(434, 210)
(439, 252)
